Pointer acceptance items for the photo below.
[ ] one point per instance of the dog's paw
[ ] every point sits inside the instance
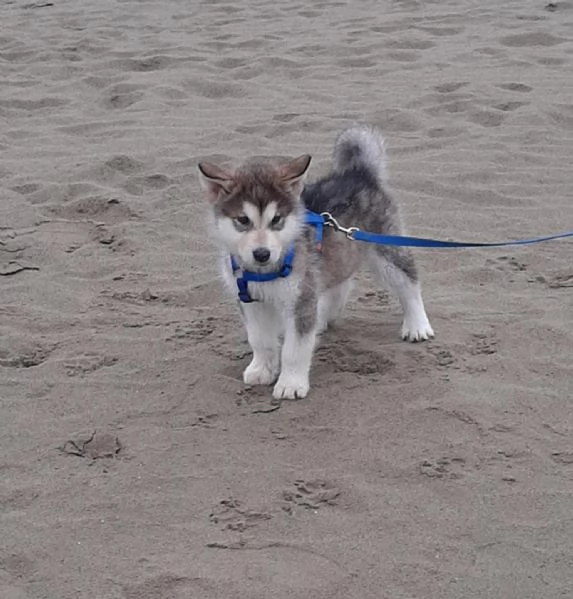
(291, 387)
(417, 329)
(260, 373)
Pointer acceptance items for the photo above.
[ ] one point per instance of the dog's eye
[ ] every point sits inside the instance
(243, 221)
(277, 220)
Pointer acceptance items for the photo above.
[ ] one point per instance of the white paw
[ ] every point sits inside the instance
(417, 329)
(291, 387)
(259, 373)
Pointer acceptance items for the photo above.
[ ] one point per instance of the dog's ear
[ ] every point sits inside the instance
(294, 172)
(214, 179)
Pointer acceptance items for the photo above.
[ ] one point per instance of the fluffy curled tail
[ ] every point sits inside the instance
(361, 147)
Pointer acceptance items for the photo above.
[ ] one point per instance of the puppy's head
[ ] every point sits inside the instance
(257, 208)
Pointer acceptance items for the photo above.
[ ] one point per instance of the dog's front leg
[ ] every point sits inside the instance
(296, 359)
(263, 329)
(298, 347)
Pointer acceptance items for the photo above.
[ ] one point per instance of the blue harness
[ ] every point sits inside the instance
(319, 221)
(260, 277)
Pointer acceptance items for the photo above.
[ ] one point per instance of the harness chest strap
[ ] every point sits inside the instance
(257, 277)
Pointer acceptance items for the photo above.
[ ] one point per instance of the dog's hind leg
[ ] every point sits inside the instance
(396, 268)
(331, 303)
(263, 330)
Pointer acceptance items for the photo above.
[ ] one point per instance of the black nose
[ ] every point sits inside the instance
(261, 255)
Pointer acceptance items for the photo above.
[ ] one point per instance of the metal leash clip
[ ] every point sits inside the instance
(330, 221)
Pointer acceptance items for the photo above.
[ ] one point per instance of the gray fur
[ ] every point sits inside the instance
(305, 315)
(353, 193)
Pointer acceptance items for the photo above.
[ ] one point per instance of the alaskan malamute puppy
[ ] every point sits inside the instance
(289, 286)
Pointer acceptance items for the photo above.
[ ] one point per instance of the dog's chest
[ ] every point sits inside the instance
(282, 292)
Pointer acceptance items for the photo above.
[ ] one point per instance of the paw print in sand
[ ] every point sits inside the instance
(311, 495)
(230, 514)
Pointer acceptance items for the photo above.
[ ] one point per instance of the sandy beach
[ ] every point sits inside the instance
(134, 463)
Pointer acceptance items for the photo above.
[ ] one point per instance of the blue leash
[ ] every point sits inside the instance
(356, 234)
(319, 221)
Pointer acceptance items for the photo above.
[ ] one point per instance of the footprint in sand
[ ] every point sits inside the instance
(25, 356)
(343, 358)
(561, 281)
(229, 514)
(87, 363)
(311, 494)
(123, 100)
(197, 330)
(506, 264)
(137, 186)
(102, 208)
(443, 467)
